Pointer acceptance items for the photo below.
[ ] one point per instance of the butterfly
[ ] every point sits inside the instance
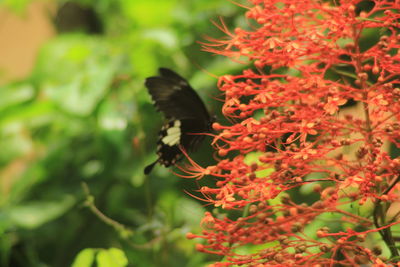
(186, 114)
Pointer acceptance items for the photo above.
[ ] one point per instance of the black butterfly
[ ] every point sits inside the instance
(185, 112)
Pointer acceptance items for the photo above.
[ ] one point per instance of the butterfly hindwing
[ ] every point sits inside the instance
(178, 133)
(187, 116)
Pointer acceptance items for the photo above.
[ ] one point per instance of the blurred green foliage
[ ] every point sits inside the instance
(83, 115)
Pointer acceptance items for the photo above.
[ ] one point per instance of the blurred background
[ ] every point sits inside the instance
(77, 128)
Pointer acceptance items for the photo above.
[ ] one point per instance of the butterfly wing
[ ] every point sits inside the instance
(186, 114)
(173, 96)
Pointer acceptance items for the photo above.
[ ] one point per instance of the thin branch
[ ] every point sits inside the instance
(123, 231)
(386, 233)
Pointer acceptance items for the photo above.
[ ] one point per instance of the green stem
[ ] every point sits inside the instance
(379, 213)
(123, 231)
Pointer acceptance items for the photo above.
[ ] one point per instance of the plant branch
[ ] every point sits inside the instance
(379, 213)
(123, 231)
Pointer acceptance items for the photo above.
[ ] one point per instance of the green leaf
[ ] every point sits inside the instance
(18, 6)
(188, 210)
(15, 94)
(104, 258)
(13, 143)
(144, 13)
(84, 258)
(166, 37)
(111, 257)
(34, 112)
(35, 214)
(72, 76)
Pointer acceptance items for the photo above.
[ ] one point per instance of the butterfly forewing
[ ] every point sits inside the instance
(173, 96)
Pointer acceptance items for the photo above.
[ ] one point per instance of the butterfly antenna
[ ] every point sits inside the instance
(150, 167)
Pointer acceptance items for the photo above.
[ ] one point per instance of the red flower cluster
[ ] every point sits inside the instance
(291, 135)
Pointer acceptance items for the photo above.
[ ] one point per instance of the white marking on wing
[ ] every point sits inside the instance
(173, 134)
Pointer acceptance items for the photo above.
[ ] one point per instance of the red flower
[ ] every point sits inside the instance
(288, 137)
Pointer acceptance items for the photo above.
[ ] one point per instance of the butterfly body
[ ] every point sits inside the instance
(186, 114)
